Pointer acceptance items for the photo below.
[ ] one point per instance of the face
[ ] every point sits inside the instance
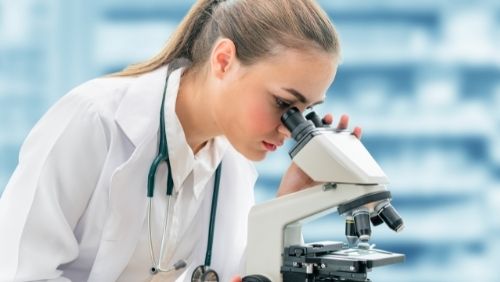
(253, 98)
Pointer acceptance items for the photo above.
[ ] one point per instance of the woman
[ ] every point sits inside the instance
(76, 206)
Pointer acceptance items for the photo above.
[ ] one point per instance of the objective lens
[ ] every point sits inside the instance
(376, 220)
(350, 232)
(362, 224)
(391, 217)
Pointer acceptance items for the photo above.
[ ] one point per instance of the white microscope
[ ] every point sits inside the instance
(354, 186)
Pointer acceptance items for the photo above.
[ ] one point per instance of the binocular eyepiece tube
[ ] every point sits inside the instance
(298, 125)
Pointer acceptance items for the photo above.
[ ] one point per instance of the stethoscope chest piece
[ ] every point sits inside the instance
(204, 274)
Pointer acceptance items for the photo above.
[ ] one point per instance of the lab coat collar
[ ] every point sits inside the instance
(182, 158)
(138, 116)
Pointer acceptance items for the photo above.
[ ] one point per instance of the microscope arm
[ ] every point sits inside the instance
(277, 223)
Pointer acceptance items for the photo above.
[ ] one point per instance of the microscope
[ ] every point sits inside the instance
(353, 185)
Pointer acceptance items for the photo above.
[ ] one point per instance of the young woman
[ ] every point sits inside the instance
(85, 202)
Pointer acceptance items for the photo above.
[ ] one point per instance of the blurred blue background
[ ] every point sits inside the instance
(421, 77)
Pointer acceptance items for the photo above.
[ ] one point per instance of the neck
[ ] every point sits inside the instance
(193, 108)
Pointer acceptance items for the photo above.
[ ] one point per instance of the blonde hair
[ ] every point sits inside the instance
(256, 27)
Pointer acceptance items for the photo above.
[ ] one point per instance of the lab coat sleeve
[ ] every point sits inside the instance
(59, 166)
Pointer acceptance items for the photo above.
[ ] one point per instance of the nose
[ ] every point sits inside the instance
(284, 131)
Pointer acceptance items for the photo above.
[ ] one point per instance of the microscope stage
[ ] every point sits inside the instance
(372, 257)
(328, 261)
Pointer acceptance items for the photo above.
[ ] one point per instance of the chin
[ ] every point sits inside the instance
(253, 155)
(249, 151)
(256, 158)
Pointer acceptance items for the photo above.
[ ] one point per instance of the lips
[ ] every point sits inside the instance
(271, 146)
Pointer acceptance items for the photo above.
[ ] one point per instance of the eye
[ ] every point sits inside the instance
(282, 104)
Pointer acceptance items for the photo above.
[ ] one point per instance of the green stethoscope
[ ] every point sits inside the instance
(202, 272)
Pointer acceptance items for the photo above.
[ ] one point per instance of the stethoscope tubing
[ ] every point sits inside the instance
(163, 156)
(156, 263)
(166, 223)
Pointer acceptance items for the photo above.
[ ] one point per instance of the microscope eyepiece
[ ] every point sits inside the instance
(390, 216)
(292, 118)
(316, 120)
(296, 123)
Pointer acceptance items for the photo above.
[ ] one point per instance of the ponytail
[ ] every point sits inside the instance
(181, 41)
(256, 27)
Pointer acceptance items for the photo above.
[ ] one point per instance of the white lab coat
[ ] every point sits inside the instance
(76, 205)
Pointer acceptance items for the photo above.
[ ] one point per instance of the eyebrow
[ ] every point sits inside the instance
(301, 97)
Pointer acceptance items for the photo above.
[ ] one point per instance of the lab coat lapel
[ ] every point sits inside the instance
(236, 197)
(138, 117)
(139, 112)
(128, 207)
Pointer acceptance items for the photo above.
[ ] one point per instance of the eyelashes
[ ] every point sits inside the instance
(282, 104)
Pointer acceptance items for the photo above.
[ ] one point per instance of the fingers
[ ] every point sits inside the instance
(343, 124)
(357, 132)
(328, 119)
(236, 279)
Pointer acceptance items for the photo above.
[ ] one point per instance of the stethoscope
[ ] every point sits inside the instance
(202, 272)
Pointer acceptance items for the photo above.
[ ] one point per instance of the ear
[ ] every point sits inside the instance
(223, 57)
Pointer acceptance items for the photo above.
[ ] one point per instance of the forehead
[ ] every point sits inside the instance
(309, 72)
(295, 59)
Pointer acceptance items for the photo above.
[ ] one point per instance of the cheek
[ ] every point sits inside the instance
(259, 120)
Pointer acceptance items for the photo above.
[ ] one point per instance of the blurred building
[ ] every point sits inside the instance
(422, 79)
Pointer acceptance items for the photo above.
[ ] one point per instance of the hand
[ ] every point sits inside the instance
(236, 279)
(296, 179)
